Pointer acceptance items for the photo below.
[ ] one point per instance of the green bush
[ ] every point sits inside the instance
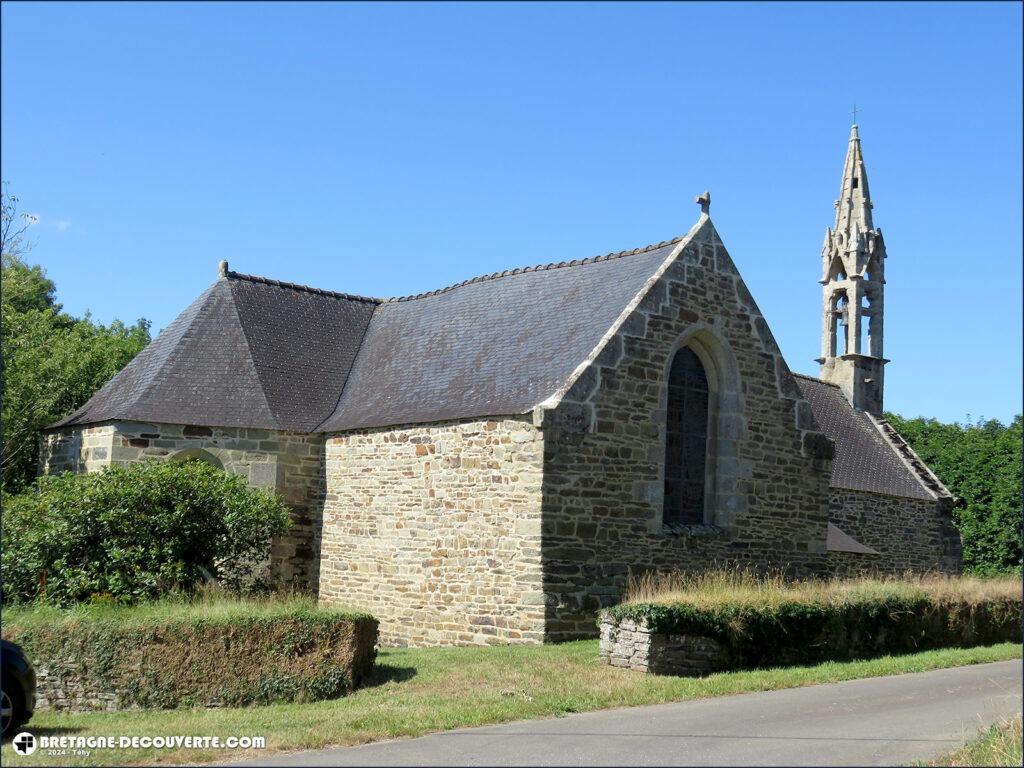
(220, 652)
(135, 532)
(811, 622)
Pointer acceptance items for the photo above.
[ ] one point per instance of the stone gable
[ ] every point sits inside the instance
(604, 448)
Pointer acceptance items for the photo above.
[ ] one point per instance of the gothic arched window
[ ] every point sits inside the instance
(686, 446)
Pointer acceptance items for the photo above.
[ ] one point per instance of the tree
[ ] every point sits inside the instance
(980, 463)
(13, 225)
(51, 362)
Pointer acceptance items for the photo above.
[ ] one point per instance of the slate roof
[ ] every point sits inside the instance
(255, 352)
(864, 460)
(498, 345)
(248, 352)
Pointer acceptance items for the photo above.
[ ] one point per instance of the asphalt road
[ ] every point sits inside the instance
(878, 721)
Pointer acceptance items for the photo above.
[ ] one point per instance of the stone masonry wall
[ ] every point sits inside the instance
(605, 448)
(435, 529)
(288, 462)
(74, 692)
(634, 646)
(77, 449)
(910, 534)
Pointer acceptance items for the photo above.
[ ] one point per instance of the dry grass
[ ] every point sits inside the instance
(1000, 745)
(731, 586)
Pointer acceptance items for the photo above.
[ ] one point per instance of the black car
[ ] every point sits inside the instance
(18, 680)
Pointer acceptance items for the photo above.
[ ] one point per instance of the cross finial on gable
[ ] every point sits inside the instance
(704, 201)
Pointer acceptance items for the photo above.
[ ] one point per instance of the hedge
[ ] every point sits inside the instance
(845, 624)
(166, 655)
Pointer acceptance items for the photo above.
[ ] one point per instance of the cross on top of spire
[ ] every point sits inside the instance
(853, 208)
(854, 113)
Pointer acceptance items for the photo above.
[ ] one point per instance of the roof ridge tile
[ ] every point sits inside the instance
(300, 287)
(469, 281)
(536, 268)
(923, 472)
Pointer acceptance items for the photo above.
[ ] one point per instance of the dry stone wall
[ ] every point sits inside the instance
(287, 462)
(87, 664)
(435, 529)
(634, 645)
(605, 448)
(909, 534)
(691, 641)
(74, 692)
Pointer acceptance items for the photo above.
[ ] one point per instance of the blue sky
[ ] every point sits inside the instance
(389, 149)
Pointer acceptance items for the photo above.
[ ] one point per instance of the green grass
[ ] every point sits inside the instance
(999, 745)
(210, 605)
(418, 691)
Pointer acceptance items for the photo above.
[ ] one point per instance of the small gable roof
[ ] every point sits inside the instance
(865, 460)
(253, 352)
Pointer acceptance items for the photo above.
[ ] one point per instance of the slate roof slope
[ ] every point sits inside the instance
(248, 352)
(303, 344)
(864, 460)
(254, 352)
(495, 345)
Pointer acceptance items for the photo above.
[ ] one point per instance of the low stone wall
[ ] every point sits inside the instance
(682, 639)
(635, 646)
(103, 665)
(58, 689)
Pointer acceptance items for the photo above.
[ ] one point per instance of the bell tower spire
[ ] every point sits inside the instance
(853, 276)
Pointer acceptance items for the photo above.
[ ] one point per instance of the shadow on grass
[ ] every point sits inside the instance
(387, 673)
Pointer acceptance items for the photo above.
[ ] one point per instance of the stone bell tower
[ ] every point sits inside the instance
(853, 276)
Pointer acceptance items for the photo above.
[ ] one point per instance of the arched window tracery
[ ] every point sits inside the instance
(686, 450)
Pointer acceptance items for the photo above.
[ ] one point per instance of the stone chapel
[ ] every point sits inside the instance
(489, 462)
